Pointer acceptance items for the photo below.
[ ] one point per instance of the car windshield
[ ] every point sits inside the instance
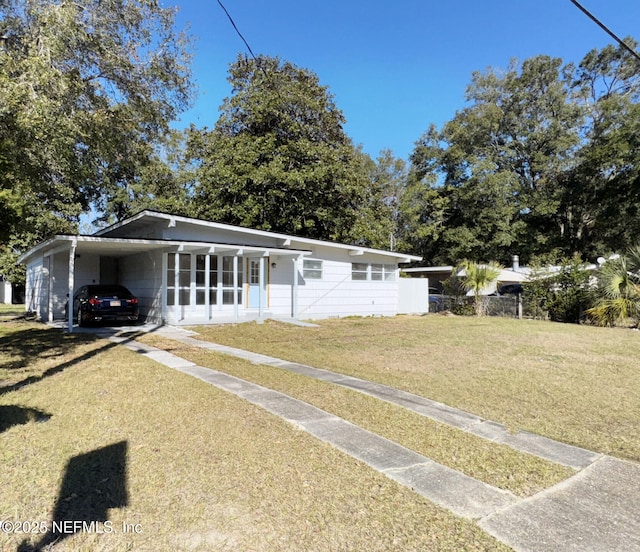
(108, 290)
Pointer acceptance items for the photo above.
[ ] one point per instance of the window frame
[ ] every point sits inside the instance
(312, 272)
(373, 272)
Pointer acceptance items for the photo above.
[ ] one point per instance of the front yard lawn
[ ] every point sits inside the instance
(93, 432)
(576, 384)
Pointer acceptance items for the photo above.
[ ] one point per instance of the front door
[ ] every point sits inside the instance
(254, 283)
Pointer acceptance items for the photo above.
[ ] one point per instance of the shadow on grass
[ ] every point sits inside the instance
(26, 345)
(93, 483)
(36, 343)
(12, 415)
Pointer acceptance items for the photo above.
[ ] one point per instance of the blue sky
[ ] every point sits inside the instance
(393, 67)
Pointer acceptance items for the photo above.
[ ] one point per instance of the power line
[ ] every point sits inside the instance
(606, 29)
(256, 59)
(237, 30)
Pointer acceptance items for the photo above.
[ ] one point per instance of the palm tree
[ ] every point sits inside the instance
(618, 290)
(478, 277)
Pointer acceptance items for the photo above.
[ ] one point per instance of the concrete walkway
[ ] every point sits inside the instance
(523, 441)
(597, 510)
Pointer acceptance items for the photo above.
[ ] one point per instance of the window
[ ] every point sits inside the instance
(184, 278)
(254, 271)
(192, 277)
(359, 271)
(213, 279)
(312, 270)
(179, 279)
(227, 280)
(201, 273)
(171, 279)
(389, 273)
(375, 272)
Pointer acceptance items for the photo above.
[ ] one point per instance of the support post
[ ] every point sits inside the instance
(519, 299)
(294, 298)
(235, 287)
(261, 288)
(72, 274)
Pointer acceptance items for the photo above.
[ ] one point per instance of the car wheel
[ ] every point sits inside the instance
(82, 321)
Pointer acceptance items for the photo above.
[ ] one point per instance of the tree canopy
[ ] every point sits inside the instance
(543, 159)
(87, 91)
(279, 159)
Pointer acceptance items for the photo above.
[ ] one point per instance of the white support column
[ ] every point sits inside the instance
(294, 295)
(72, 274)
(207, 282)
(235, 287)
(177, 309)
(50, 291)
(261, 288)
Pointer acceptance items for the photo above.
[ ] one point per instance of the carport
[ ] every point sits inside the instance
(57, 266)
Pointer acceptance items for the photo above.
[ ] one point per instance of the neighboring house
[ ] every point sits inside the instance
(6, 291)
(437, 275)
(190, 271)
(517, 274)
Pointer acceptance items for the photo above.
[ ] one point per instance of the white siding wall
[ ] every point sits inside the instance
(142, 275)
(193, 232)
(5, 292)
(37, 288)
(336, 294)
(60, 281)
(87, 271)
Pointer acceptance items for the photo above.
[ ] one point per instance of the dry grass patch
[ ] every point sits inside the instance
(498, 465)
(576, 384)
(196, 468)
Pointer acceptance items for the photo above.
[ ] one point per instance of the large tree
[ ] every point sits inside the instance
(544, 159)
(494, 166)
(607, 179)
(279, 159)
(87, 89)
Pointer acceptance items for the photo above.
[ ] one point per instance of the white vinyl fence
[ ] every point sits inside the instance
(413, 295)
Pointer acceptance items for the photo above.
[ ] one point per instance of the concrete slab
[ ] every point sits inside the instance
(162, 357)
(286, 407)
(376, 451)
(597, 510)
(303, 370)
(561, 453)
(450, 489)
(432, 409)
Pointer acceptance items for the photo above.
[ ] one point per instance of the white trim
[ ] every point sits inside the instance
(286, 240)
(134, 245)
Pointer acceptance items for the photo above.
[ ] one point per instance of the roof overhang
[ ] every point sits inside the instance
(144, 219)
(120, 247)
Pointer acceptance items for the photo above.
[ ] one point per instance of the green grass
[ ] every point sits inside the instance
(576, 384)
(201, 469)
(11, 311)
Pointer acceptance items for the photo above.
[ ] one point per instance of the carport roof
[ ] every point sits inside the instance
(120, 247)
